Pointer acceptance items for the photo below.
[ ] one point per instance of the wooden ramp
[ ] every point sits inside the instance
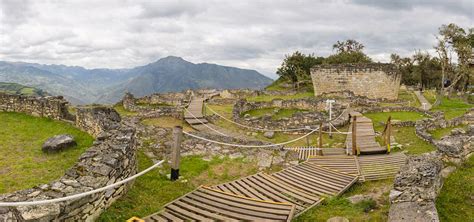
(342, 163)
(305, 152)
(368, 167)
(304, 185)
(377, 167)
(207, 204)
(365, 136)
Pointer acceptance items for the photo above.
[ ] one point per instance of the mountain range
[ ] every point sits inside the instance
(170, 74)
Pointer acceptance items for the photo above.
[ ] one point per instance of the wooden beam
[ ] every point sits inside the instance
(354, 136)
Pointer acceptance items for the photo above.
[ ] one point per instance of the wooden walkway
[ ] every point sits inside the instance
(365, 136)
(369, 167)
(207, 204)
(305, 152)
(283, 194)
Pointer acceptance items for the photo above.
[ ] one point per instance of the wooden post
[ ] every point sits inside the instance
(175, 152)
(320, 145)
(354, 140)
(389, 132)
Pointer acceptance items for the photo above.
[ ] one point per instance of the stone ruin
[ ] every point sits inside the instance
(111, 158)
(54, 107)
(373, 80)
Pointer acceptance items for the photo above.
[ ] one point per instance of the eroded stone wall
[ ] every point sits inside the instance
(54, 107)
(97, 120)
(111, 158)
(374, 80)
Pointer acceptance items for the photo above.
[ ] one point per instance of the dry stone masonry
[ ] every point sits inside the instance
(54, 107)
(374, 80)
(111, 158)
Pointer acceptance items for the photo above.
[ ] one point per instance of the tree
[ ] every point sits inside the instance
(457, 40)
(349, 51)
(348, 46)
(296, 68)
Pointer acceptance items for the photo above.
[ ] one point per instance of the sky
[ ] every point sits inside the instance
(251, 34)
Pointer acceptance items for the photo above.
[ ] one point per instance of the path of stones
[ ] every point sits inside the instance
(285, 194)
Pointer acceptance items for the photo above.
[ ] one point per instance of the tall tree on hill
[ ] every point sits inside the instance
(296, 68)
(455, 39)
(349, 51)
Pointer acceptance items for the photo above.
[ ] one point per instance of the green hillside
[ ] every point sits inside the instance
(17, 89)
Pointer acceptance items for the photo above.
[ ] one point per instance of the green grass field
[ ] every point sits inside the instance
(123, 112)
(439, 133)
(453, 107)
(403, 135)
(369, 210)
(279, 114)
(268, 98)
(153, 190)
(430, 95)
(410, 97)
(22, 163)
(455, 201)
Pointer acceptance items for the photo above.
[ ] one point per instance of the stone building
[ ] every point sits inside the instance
(374, 80)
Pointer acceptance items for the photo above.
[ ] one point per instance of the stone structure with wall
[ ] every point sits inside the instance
(111, 158)
(54, 107)
(374, 80)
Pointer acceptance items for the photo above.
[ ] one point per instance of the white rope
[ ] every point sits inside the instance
(202, 123)
(249, 146)
(255, 128)
(79, 195)
(338, 131)
(304, 148)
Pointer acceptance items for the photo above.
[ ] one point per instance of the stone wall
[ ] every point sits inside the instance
(52, 107)
(156, 105)
(415, 189)
(315, 114)
(96, 120)
(374, 80)
(111, 158)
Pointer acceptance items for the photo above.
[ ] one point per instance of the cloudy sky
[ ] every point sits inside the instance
(245, 33)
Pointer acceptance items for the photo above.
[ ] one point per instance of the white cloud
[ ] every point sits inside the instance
(248, 34)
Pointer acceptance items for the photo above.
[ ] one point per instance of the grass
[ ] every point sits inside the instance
(22, 163)
(279, 114)
(153, 105)
(455, 201)
(167, 122)
(369, 210)
(439, 133)
(268, 98)
(410, 97)
(452, 107)
(381, 117)
(430, 95)
(153, 190)
(123, 112)
(405, 136)
(337, 141)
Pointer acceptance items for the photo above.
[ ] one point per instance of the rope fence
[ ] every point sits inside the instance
(79, 195)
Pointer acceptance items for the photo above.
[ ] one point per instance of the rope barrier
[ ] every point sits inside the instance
(79, 195)
(249, 146)
(255, 128)
(202, 123)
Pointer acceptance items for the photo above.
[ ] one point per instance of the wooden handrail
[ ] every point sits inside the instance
(355, 151)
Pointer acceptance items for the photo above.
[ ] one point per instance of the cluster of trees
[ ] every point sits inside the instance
(441, 71)
(420, 69)
(296, 67)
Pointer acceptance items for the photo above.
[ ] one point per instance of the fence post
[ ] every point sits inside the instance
(354, 140)
(389, 132)
(175, 152)
(320, 140)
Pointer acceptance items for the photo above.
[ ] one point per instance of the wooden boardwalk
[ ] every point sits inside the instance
(365, 136)
(207, 204)
(368, 167)
(283, 194)
(305, 152)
